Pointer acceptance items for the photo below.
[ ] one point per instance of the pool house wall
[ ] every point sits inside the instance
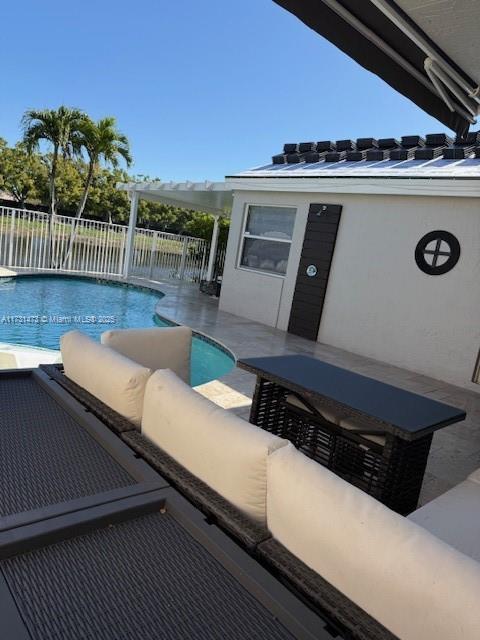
(378, 302)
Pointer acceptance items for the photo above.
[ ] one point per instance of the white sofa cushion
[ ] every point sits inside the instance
(454, 517)
(336, 416)
(417, 586)
(106, 374)
(475, 476)
(155, 348)
(7, 360)
(226, 452)
(328, 414)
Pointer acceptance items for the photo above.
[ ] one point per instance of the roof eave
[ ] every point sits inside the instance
(432, 186)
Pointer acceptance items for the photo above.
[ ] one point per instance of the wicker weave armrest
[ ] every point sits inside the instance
(228, 517)
(116, 422)
(351, 620)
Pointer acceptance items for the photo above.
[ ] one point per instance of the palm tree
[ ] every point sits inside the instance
(104, 144)
(59, 127)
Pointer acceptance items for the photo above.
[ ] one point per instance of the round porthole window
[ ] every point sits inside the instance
(437, 252)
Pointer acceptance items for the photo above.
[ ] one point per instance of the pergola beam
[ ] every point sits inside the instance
(213, 249)
(209, 197)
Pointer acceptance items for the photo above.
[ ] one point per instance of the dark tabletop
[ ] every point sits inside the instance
(408, 414)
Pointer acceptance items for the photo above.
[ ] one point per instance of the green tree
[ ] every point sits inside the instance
(200, 225)
(154, 215)
(21, 173)
(57, 127)
(105, 201)
(70, 177)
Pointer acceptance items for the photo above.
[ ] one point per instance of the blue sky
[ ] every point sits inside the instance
(202, 89)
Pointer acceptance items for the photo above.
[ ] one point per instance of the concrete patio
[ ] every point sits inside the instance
(455, 450)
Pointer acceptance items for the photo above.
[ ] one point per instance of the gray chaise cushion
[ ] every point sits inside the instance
(455, 517)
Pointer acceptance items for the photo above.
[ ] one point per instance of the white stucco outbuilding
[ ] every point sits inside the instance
(368, 245)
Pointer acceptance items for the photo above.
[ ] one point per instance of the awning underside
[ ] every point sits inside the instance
(211, 197)
(428, 51)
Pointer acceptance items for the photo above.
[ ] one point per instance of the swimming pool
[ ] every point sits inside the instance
(37, 310)
(207, 356)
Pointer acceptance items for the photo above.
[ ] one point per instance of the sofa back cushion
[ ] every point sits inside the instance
(154, 348)
(417, 586)
(106, 374)
(221, 449)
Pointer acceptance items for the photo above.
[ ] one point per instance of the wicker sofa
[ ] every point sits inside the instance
(372, 573)
(116, 371)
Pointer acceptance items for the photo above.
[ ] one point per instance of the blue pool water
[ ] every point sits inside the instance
(208, 360)
(37, 310)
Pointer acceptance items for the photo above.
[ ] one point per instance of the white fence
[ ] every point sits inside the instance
(160, 255)
(31, 240)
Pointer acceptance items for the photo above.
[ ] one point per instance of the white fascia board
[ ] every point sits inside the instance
(386, 186)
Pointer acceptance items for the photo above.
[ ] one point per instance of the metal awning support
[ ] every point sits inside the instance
(437, 68)
(441, 80)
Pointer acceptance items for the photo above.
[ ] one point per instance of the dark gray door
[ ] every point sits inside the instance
(314, 269)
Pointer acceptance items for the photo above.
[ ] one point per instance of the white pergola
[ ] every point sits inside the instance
(211, 197)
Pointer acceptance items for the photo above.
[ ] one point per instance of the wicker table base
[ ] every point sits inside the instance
(392, 473)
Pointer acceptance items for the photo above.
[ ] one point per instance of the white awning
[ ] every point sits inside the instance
(211, 197)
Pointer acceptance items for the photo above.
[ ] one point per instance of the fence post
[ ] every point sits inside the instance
(132, 223)
(72, 240)
(204, 256)
(12, 239)
(181, 273)
(153, 251)
(121, 252)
